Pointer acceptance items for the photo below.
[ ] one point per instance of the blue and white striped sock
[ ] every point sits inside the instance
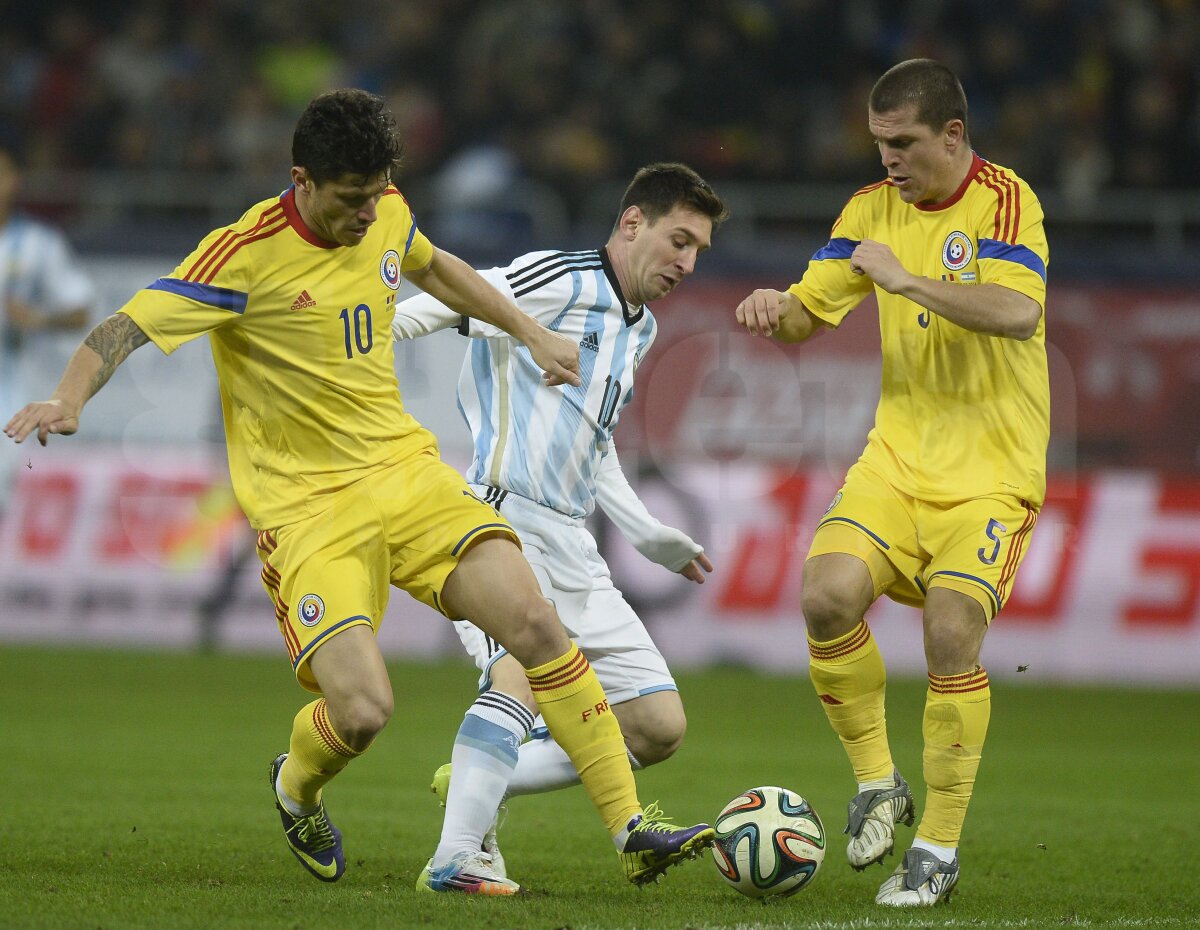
(484, 756)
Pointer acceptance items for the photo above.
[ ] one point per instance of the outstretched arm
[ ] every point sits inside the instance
(779, 314)
(461, 288)
(93, 363)
(658, 542)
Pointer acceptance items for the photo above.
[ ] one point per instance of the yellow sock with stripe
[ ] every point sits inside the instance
(850, 679)
(577, 714)
(957, 710)
(315, 754)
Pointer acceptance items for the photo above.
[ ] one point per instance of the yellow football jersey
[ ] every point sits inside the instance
(961, 414)
(300, 330)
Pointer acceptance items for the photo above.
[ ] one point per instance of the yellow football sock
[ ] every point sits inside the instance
(316, 753)
(957, 710)
(577, 714)
(850, 679)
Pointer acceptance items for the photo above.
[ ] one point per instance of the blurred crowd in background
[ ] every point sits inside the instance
(1080, 95)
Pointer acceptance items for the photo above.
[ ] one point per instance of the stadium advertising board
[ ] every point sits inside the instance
(109, 544)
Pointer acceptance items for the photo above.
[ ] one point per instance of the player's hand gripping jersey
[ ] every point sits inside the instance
(301, 335)
(961, 414)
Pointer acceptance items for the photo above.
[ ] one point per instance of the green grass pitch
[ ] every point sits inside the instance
(135, 796)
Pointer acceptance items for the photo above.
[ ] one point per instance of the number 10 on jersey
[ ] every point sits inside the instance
(363, 338)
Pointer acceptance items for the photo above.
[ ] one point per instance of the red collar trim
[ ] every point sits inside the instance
(296, 221)
(977, 164)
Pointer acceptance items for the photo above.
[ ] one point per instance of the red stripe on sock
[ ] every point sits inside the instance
(965, 683)
(327, 733)
(575, 669)
(835, 649)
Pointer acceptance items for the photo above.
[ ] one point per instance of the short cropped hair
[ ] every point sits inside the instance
(926, 84)
(347, 131)
(657, 189)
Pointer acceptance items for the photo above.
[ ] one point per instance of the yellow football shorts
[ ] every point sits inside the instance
(405, 525)
(972, 546)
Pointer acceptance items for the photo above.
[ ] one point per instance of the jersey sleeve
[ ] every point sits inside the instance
(1012, 243)
(543, 303)
(423, 314)
(418, 250)
(177, 308)
(829, 289)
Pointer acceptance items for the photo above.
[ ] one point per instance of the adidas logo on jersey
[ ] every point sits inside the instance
(303, 301)
(590, 341)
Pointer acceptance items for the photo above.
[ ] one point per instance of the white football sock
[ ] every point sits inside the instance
(883, 783)
(946, 853)
(484, 756)
(290, 804)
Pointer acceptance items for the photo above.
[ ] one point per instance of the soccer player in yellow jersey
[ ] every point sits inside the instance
(346, 490)
(938, 510)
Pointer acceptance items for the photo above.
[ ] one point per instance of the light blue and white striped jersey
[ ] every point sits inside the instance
(38, 267)
(544, 443)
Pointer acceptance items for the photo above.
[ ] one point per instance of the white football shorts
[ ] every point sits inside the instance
(576, 579)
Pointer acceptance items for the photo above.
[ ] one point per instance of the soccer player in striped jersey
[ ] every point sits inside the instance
(346, 490)
(544, 456)
(42, 289)
(938, 510)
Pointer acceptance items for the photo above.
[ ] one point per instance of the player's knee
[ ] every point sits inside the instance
(535, 635)
(829, 609)
(360, 718)
(951, 648)
(654, 738)
(655, 747)
(954, 631)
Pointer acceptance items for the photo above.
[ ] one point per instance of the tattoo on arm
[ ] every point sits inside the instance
(113, 340)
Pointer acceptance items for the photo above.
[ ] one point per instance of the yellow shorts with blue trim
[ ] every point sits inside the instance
(973, 546)
(406, 525)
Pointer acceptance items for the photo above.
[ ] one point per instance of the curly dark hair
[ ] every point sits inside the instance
(347, 131)
(658, 188)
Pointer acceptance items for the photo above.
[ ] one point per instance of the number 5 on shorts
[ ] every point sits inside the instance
(993, 527)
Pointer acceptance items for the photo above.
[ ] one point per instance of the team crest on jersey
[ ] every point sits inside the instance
(310, 610)
(389, 269)
(957, 251)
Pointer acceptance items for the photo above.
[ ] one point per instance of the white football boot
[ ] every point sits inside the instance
(872, 818)
(921, 880)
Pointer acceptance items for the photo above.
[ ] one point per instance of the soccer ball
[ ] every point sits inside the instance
(770, 842)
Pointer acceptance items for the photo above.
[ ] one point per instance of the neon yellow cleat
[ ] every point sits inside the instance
(655, 844)
(313, 839)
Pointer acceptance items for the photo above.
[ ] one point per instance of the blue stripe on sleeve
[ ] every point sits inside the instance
(412, 232)
(1021, 255)
(836, 248)
(220, 297)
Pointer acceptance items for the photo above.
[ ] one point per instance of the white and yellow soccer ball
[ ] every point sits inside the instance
(770, 842)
